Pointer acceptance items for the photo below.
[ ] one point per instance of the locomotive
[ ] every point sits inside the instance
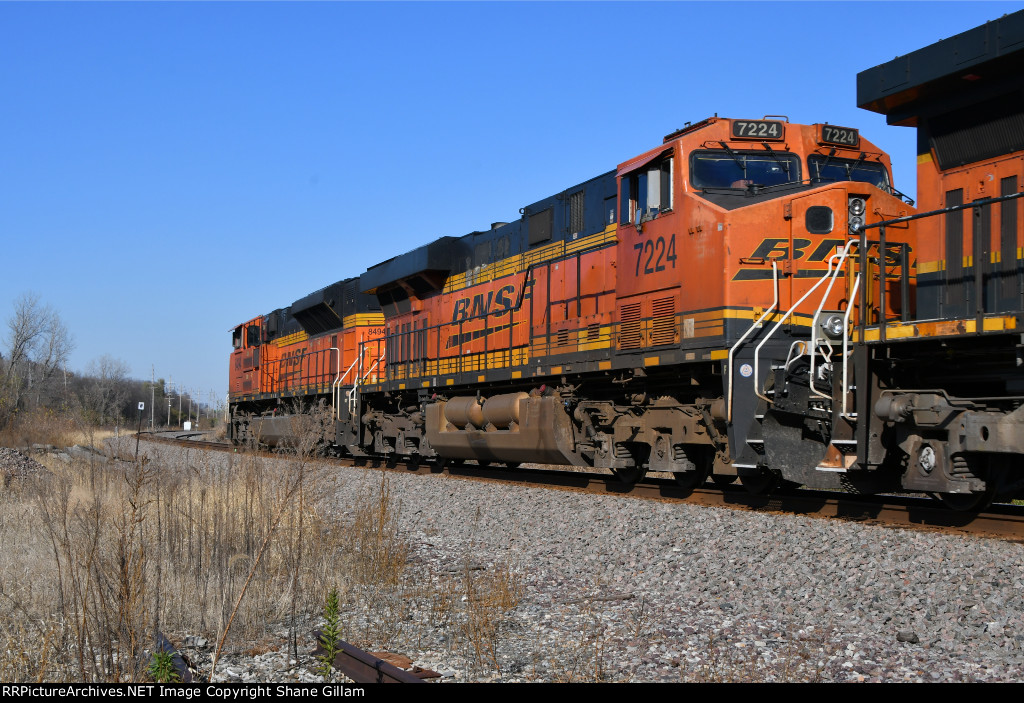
(943, 402)
(750, 298)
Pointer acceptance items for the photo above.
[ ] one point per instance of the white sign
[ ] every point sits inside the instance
(142, 406)
(188, 426)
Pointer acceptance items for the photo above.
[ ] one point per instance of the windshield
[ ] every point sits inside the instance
(739, 169)
(825, 168)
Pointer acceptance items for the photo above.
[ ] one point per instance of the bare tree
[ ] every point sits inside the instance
(37, 346)
(109, 387)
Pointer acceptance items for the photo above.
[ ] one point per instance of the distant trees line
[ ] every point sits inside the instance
(34, 376)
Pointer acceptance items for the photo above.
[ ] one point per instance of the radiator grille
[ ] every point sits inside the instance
(664, 329)
(630, 327)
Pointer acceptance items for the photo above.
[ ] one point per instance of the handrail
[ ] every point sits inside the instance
(821, 306)
(757, 350)
(732, 350)
(846, 343)
(940, 211)
(334, 407)
(358, 380)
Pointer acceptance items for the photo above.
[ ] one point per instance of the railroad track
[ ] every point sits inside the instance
(1003, 521)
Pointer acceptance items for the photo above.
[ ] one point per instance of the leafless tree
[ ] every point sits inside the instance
(37, 346)
(109, 387)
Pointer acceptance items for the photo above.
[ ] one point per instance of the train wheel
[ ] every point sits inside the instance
(723, 480)
(966, 502)
(979, 467)
(764, 482)
(629, 476)
(689, 480)
(703, 461)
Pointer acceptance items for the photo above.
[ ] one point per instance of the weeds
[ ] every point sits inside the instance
(161, 668)
(330, 634)
(489, 595)
(799, 660)
(101, 555)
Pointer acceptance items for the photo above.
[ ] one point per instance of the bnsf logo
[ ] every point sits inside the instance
(293, 358)
(779, 249)
(770, 249)
(480, 304)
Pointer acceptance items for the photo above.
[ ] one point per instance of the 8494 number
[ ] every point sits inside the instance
(655, 255)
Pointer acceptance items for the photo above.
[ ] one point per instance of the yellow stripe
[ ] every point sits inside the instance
(519, 262)
(300, 336)
(357, 320)
(932, 266)
(364, 319)
(720, 354)
(652, 361)
(924, 158)
(938, 329)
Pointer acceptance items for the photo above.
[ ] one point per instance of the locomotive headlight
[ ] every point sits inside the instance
(832, 325)
(856, 223)
(856, 206)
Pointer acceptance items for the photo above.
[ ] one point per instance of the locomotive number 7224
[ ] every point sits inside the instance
(657, 254)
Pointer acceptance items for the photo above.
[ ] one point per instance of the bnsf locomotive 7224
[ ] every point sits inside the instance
(750, 298)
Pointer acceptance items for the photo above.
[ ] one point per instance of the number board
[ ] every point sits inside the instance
(843, 136)
(763, 130)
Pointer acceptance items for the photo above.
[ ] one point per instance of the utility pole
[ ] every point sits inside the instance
(152, 400)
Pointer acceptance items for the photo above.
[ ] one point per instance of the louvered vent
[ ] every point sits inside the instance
(630, 327)
(664, 329)
(576, 212)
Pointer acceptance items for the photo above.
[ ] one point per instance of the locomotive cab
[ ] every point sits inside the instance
(741, 240)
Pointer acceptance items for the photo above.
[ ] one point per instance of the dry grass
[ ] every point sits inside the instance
(47, 427)
(799, 660)
(99, 555)
(488, 596)
(40, 427)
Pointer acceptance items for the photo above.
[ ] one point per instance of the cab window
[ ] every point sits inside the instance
(647, 191)
(721, 168)
(830, 169)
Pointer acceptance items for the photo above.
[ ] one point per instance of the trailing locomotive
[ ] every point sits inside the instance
(750, 298)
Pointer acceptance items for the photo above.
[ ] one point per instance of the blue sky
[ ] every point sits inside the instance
(169, 170)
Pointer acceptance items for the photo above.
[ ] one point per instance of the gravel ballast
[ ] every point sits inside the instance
(622, 589)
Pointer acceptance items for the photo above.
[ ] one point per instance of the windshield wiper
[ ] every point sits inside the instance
(853, 167)
(730, 152)
(784, 165)
(823, 164)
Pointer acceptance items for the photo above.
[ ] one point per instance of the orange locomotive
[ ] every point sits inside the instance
(296, 357)
(635, 322)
